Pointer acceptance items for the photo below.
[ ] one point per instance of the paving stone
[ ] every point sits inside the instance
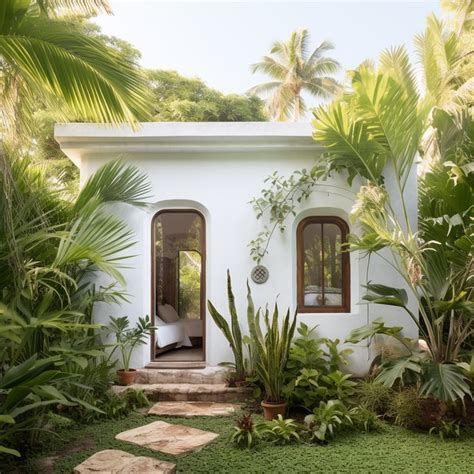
(168, 438)
(114, 461)
(189, 409)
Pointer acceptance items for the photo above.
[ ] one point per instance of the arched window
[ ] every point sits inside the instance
(323, 269)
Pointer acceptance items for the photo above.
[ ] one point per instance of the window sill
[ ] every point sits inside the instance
(329, 313)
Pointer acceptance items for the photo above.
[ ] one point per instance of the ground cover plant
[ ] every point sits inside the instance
(357, 452)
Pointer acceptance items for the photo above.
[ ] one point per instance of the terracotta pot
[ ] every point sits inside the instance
(126, 377)
(432, 411)
(271, 410)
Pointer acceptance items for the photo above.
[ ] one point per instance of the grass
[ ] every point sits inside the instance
(392, 449)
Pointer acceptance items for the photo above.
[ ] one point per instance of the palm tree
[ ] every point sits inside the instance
(294, 71)
(47, 58)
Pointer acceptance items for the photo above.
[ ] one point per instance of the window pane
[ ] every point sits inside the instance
(332, 265)
(312, 275)
(179, 245)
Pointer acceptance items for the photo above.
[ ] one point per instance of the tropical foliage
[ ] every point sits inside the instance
(279, 431)
(51, 354)
(374, 130)
(272, 347)
(232, 333)
(44, 53)
(245, 433)
(294, 70)
(127, 338)
(313, 372)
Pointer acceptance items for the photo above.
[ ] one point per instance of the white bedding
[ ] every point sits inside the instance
(177, 332)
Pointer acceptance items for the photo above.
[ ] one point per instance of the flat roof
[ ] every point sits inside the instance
(76, 139)
(186, 129)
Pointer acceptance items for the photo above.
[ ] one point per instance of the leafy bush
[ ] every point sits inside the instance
(112, 405)
(51, 353)
(405, 408)
(364, 419)
(245, 434)
(279, 431)
(312, 372)
(374, 396)
(326, 420)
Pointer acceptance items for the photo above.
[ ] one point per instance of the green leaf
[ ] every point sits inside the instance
(369, 330)
(396, 370)
(386, 295)
(13, 452)
(7, 419)
(445, 381)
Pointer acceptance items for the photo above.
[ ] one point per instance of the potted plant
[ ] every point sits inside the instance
(272, 349)
(126, 340)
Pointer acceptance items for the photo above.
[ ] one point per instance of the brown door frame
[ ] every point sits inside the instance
(203, 280)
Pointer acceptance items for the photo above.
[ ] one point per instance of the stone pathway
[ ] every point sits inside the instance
(114, 461)
(189, 409)
(168, 438)
(158, 436)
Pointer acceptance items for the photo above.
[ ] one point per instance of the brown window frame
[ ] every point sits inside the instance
(346, 272)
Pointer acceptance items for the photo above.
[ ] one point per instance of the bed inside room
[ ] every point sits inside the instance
(179, 262)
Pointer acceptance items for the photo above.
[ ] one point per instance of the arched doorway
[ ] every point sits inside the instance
(178, 286)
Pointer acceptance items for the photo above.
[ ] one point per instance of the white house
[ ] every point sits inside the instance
(199, 224)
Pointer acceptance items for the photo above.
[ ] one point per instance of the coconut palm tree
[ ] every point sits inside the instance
(46, 57)
(293, 71)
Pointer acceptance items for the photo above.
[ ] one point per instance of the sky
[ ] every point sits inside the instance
(219, 40)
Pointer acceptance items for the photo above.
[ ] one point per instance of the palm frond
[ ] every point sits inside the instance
(91, 78)
(84, 7)
(270, 66)
(98, 238)
(323, 47)
(115, 181)
(324, 87)
(265, 88)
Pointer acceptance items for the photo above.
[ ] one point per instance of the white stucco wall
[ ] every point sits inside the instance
(217, 169)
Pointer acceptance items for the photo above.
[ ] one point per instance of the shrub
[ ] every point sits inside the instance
(364, 419)
(312, 371)
(279, 431)
(245, 434)
(374, 396)
(326, 420)
(405, 408)
(111, 405)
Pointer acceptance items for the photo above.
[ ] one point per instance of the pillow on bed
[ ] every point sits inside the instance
(167, 313)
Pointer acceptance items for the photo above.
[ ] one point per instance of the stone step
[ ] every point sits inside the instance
(207, 375)
(176, 392)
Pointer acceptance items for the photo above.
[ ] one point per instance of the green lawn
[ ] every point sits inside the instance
(392, 449)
